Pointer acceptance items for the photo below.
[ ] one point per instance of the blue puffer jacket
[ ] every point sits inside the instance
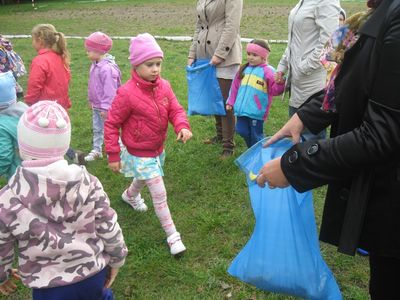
(252, 95)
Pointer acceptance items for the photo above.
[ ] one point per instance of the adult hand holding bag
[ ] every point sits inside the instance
(205, 97)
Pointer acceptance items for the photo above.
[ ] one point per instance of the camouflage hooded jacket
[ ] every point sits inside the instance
(65, 231)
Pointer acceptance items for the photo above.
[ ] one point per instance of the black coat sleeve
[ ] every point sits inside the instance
(312, 164)
(313, 116)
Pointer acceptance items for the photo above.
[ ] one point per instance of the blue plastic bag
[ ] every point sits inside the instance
(205, 97)
(282, 255)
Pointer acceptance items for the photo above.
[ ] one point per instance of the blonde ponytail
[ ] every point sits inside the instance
(52, 39)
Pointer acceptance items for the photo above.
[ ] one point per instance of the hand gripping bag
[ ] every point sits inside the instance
(282, 255)
(205, 97)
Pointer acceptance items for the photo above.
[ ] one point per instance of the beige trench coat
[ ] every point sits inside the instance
(218, 31)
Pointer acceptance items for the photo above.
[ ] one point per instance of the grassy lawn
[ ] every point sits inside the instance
(208, 198)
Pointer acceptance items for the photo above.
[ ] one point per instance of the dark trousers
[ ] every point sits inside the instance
(91, 288)
(385, 278)
(225, 125)
(250, 130)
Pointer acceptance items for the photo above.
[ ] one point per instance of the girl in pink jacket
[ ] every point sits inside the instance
(141, 111)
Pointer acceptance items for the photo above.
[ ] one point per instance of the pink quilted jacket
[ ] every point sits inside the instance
(142, 110)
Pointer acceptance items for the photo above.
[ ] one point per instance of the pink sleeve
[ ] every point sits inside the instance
(118, 113)
(234, 90)
(176, 114)
(274, 89)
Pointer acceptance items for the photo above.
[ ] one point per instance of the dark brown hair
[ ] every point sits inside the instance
(261, 43)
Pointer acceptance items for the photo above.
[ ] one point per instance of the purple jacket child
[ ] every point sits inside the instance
(104, 80)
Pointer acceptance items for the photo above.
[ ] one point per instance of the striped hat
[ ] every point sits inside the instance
(44, 131)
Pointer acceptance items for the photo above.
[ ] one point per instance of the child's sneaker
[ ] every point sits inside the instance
(175, 243)
(93, 155)
(137, 203)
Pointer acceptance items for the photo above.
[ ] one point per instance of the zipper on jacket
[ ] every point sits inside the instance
(157, 108)
(245, 90)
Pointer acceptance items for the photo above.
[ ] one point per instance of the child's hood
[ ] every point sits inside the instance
(108, 59)
(14, 110)
(56, 192)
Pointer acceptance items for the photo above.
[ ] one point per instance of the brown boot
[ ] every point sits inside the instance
(213, 141)
(226, 154)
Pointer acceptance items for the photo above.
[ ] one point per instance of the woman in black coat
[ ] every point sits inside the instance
(361, 160)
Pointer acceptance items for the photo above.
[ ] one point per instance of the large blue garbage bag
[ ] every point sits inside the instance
(282, 255)
(205, 97)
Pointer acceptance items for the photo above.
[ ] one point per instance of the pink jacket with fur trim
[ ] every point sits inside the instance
(142, 110)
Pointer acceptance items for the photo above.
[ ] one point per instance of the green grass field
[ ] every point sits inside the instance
(208, 197)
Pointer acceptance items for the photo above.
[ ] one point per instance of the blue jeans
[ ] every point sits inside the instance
(91, 288)
(250, 130)
(306, 135)
(98, 130)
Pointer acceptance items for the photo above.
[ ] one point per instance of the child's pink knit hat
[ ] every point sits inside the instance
(98, 42)
(44, 131)
(144, 47)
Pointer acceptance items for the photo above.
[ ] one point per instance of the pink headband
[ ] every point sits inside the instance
(256, 49)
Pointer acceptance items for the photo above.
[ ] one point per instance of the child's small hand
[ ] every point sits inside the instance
(103, 115)
(229, 107)
(279, 77)
(111, 277)
(115, 166)
(184, 135)
(9, 286)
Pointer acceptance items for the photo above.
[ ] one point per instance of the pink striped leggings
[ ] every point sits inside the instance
(159, 196)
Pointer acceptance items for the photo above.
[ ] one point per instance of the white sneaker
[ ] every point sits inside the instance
(175, 243)
(137, 203)
(93, 155)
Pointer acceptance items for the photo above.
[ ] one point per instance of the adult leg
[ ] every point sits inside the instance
(218, 137)
(384, 278)
(228, 121)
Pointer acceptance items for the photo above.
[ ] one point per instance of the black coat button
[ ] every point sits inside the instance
(344, 194)
(293, 157)
(209, 42)
(202, 27)
(313, 149)
(198, 42)
(227, 48)
(198, 16)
